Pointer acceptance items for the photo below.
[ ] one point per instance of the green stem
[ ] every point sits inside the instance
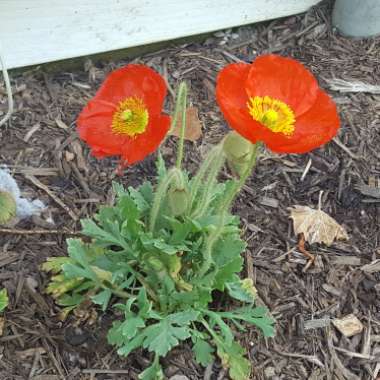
(223, 210)
(118, 292)
(181, 107)
(210, 241)
(213, 168)
(210, 331)
(197, 180)
(160, 196)
(148, 289)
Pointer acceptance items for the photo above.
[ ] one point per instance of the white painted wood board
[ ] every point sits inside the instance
(38, 31)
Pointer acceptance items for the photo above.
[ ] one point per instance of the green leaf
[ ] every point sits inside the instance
(114, 335)
(257, 316)
(198, 297)
(143, 303)
(232, 358)
(227, 272)
(54, 264)
(74, 271)
(180, 230)
(160, 245)
(142, 197)
(119, 189)
(128, 209)
(242, 290)
(77, 251)
(70, 300)
(163, 336)
(226, 255)
(203, 351)
(102, 298)
(91, 229)
(154, 372)
(227, 249)
(215, 318)
(131, 345)
(131, 326)
(183, 317)
(4, 300)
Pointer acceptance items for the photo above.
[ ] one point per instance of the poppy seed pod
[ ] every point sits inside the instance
(7, 207)
(238, 151)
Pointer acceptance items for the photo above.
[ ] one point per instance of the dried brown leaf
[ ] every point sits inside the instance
(316, 225)
(193, 129)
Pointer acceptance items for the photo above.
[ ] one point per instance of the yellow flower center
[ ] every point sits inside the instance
(131, 117)
(274, 114)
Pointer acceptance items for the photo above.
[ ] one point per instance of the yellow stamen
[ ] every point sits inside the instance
(131, 117)
(274, 114)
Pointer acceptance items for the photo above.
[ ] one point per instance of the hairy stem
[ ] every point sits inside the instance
(181, 109)
(202, 171)
(214, 168)
(223, 210)
(160, 196)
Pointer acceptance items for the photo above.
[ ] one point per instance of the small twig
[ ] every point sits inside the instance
(344, 148)
(307, 168)
(352, 354)
(94, 371)
(304, 251)
(17, 231)
(341, 85)
(310, 358)
(8, 89)
(40, 185)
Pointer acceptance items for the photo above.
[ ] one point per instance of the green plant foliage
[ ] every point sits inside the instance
(4, 300)
(152, 272)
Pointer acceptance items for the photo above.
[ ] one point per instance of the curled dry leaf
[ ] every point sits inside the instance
(193, 129)
(316, 225)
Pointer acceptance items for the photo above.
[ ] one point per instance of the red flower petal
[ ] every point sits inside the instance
(137, 148)
(232, 99)
(95, 121)
(94, 127)
(314, 128)
(134, 80)
(284, 79)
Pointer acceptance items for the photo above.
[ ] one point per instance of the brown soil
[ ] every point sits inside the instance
(51, 164)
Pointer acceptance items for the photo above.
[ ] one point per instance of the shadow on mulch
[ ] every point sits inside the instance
(40, 146)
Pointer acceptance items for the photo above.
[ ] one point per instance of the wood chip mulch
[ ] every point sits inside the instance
(42, 150)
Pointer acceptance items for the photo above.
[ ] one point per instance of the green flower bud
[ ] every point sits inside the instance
(178, 200)
(238, 151)
(7, 207)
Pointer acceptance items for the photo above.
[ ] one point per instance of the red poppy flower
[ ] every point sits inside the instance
(276, 100)
(124, 117)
